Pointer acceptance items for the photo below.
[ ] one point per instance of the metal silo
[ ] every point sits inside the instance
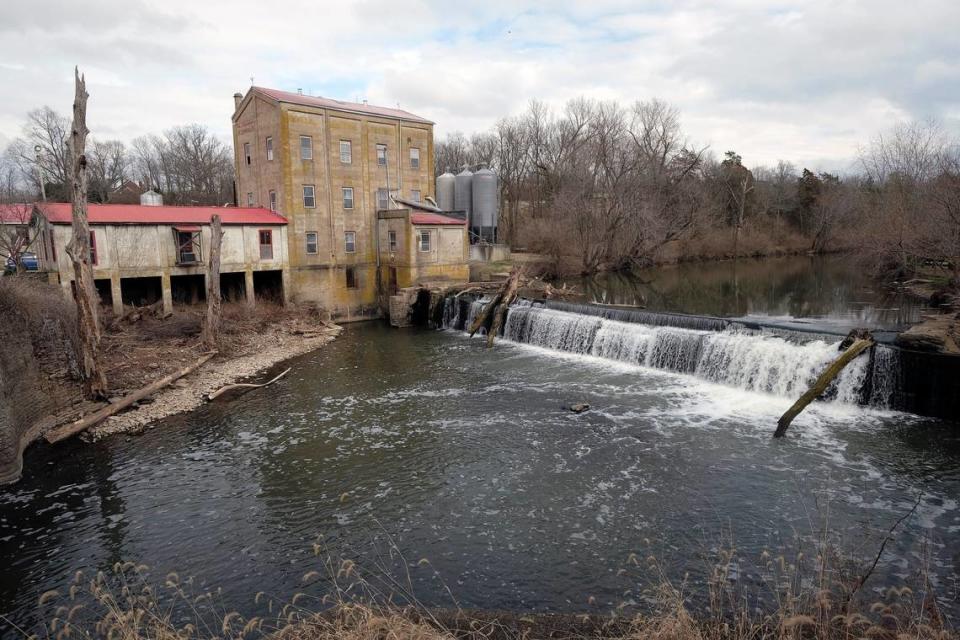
(485, 202)
(463, 194)
(445, 191)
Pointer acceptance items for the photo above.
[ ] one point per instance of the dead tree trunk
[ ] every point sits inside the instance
(858, 341)
(211, 324)
(84, 292)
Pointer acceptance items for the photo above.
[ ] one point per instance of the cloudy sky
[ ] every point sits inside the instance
(805, 81)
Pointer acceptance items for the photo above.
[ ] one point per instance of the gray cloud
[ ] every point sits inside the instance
(802, 81)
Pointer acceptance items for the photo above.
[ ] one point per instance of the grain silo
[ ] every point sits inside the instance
(445, 191)
(485, 197)
(463, 194)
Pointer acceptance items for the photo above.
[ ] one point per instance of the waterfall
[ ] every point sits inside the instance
(731, 355)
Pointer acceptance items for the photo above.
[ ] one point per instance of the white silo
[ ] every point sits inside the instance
(485, 201)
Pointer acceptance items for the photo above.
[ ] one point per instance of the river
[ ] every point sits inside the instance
(426, 444)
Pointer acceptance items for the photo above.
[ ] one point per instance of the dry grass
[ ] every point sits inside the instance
(806, 597)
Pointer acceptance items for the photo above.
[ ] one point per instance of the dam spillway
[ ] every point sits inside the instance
(729, 352)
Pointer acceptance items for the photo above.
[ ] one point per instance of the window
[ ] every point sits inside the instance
(273, 201)
(382, 154)
(414, 158)
(311, 241)
(246, 152)
(269, 149)
(383, 199)
(188, 245)
(309, 199)
(346, 152)
(306, 148)
(347, 197)
(93, 248)
(351, 278)
(249, 198)
(392, 241)
(424, 241)
(415, 195)
(350, 241)
(266, 244)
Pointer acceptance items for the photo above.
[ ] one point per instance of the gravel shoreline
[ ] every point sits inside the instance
(190, 392)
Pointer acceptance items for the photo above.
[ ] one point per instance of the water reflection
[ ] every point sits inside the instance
(831, 289)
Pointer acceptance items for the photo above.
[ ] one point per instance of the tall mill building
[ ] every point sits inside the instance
(354, 182)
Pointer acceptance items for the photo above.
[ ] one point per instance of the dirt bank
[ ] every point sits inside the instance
(258, 343)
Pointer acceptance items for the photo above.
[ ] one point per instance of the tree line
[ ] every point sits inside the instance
(187, 164)
(600, 185)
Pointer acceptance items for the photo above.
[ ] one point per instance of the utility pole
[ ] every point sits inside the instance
(43, 188)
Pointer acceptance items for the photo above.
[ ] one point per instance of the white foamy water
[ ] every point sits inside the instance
(734, 357)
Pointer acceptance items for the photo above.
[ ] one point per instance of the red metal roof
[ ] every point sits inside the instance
(19, 213)
(61, 213)
(420, 217)
(330, 103)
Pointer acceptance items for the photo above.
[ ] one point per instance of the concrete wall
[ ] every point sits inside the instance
(134, 251)
(320, 277)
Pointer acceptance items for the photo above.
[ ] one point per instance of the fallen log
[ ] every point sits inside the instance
(500, 314)
(243, 385)
(64, 432)
(856, 343)
(484, 318)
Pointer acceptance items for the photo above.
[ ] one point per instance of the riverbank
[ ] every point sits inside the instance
(255, 340)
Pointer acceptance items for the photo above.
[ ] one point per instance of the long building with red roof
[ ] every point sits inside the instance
(142, 254)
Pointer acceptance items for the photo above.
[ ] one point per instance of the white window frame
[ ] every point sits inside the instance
(315, 243)
(386, 199)
(346, 152)
(246, 153)
(313, 196)
(269, 147)
(343, 197)
(273, 200)
(415, 195)
(349, 238)
(414, 157)
(424, 233)
(249, 198)
(308, 149)
(381, 157)
(392, 240)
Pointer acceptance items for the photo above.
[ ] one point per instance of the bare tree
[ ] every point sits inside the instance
(451, 153)
(108, 167)
(84, 292)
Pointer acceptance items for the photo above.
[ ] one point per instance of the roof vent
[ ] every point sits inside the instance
(151, 199)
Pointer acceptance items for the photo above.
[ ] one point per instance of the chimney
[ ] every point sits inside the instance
(237, 99)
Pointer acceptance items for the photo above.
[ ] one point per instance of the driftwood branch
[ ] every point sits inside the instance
(244, 385)
(61, 433)
(859, 341)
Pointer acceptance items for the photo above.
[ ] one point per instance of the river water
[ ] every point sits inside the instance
(389, 447)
